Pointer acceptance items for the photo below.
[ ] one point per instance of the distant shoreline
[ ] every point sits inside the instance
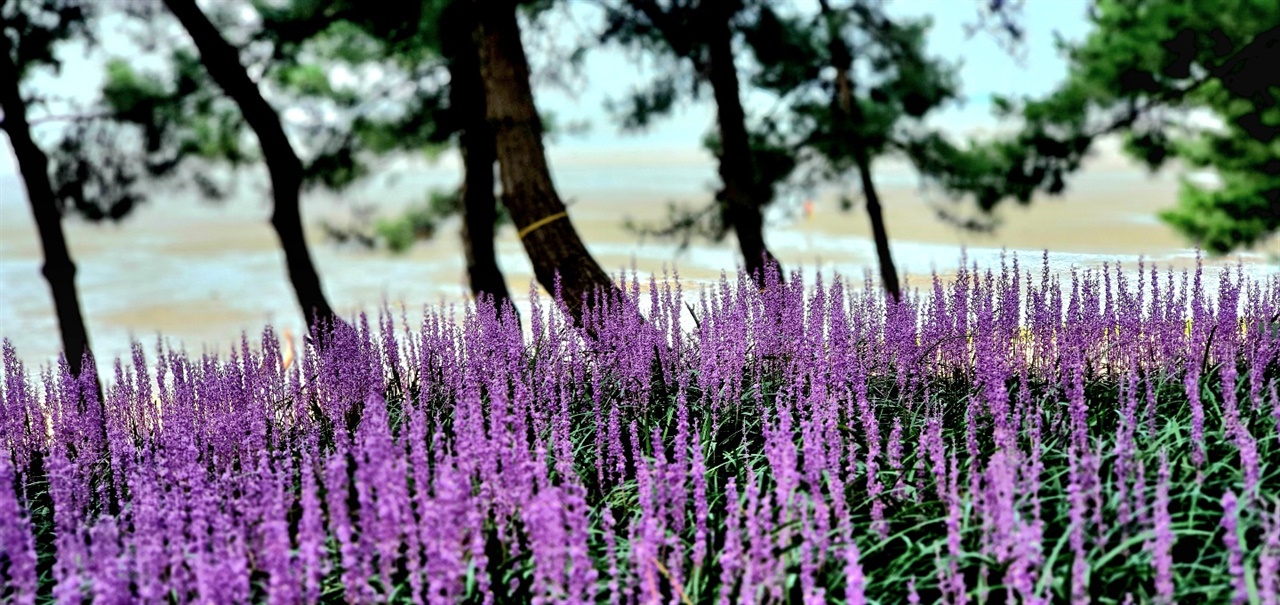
(201, 273)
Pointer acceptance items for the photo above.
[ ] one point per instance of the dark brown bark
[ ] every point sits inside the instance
(888, 272)
(744, 197)
(59, 270)
(846, 109)
(527, 189)
(476, 143)
(285, 169)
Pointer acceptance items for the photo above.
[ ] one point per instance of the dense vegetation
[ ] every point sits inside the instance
(1005, 437)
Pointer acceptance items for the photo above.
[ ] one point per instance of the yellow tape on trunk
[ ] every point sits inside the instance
(540, 222)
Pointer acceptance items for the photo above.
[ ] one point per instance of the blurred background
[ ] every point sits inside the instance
(985, 127)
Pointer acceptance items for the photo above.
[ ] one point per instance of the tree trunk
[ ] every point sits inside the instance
(59, 270)
(888, 272)
(476, 143)
(744, 197)
(529, 194)
(845, 108)
(285, 169)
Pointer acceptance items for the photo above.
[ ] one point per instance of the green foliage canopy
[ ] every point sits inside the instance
(1151, 71)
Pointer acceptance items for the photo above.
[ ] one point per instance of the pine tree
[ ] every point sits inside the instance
(1144, 72)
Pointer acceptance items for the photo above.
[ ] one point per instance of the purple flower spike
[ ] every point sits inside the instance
(855, 580)
(16, 540)
(1269, 561)
(1161, 546)
(1235, 550)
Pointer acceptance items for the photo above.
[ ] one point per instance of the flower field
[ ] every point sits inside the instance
(1012, 436)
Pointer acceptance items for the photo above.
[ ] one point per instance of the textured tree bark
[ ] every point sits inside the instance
(476, 143)
(285, 169)
(845, 108)
(59, 270)
(528, 192)
(744, 197)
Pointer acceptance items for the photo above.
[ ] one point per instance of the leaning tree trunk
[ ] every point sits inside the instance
(476, 143)
(285, 169)
(59, 270)
(529, 194)
(743, 195)
(849, 112)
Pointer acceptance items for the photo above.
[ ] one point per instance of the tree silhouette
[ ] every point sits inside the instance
(285, 169)
(855, 85)
(460, 40)
(700, 34)
(844, 109)
(27, 37)
(1145, 71)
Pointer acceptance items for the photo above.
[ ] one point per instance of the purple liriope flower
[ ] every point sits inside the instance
(1269, 561)
(1124, 450)
(855, 580)
(221, 492)
(1027, 558)
(1192, 384)
(1275, 406)
(1161, 546)
(311, 532)
(972, 412)
(809, 559)
(601, 429)
(761, 568)
(998, 506)
(1140, 494)
(732, 554)
(1077, 496)
(380, 488)
(582, 573)
(780, 451)
(544, 524)
(617, 453)
(611, 555)
(1235, 550)
(355, 566)
(698, 472)
(894, 455)
(1149, 413)
(17, 542)
(1239, 431)
(443, 536)
(109, 573)
(954, 580)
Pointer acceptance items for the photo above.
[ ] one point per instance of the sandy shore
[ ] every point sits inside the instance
(201, 273)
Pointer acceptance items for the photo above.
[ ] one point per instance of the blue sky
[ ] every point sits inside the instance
(986, 69)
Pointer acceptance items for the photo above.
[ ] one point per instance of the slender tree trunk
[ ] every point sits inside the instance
(744, 197)
(59, 270)
(479, 215)
(285, 169)
(846, 109)
(888, 272)
(476, 143)
(528, 192)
